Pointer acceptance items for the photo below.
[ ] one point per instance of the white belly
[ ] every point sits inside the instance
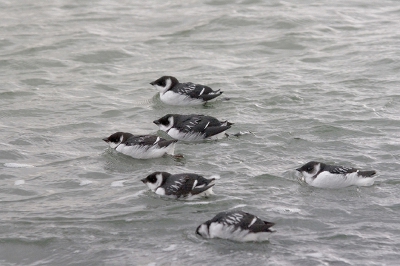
(176, 134)
(328, 180)
(228, 232)
(173, 98)
(161, 191)
(139, 152)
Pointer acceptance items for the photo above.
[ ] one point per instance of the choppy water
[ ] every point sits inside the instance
(312, 81)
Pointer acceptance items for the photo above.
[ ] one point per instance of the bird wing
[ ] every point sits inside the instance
(367, 173)
(201, 184)
(142, 140)
(192, 123)
(148, 140)
(196, 91)
(176, 186)
(340, 169)
(183, 184)
(256, 224)
(211, 131)
(202, 124)
(244, 220)
(229, 218)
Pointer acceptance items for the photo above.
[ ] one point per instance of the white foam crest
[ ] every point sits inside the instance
(19, 182)
(18, 165)
(119, 183)
(286, 210)
(216, 177)
(197, 203)
(238, 206)
(170, 248)
(134, 195)
(85, 182)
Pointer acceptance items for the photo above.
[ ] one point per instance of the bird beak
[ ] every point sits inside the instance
(156, 122)
(152, 83)
(106, 139)
(143, 180)
(298, 169)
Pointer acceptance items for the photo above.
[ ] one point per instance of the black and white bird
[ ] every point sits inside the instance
(236, 225)
(186, 185)
(140, 146)
(332, 176)
(174, 93)
(192, 127)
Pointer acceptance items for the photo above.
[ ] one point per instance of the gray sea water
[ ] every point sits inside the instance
(312, 80)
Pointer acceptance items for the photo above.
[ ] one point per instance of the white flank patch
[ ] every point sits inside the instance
(328, 180)
(173, 98)
(365, 181)
(206, 193)
(228, 232)
(18, 165)
(118, 183)
(141, 152)
(218, 136)
(19, 182)
(176, 134)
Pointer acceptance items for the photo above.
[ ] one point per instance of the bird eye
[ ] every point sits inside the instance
(309, 169)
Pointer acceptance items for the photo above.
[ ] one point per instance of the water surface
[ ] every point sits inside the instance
(310, 80)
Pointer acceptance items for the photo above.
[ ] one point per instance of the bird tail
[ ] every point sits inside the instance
(211, 131)
(198, 190)
(210, 96)
(368, 173)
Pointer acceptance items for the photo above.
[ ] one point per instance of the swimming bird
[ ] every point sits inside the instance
(174, 93)
(186, 185)
(236, 225)
(140, 146)
(192, 127)
(332, 176)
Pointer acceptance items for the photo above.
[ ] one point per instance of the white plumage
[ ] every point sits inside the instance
(331, 176)
(236, 225)
(140, 146)
(175, 93)
(186, 185)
